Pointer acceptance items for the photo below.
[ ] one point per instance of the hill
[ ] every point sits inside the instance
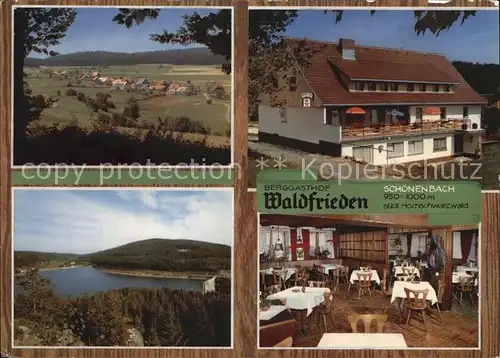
(35, 258)
(165, 255)
(192, 56)
(484, 78)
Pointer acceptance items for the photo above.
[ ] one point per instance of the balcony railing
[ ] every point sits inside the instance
(353, 132)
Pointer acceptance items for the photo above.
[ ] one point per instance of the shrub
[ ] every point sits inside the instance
(58, 92)
(81, 97)
(71, 92)
(209, 101)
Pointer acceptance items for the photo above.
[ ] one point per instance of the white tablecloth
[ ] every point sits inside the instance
(467, 268)
(354, 276)
(399, 292)
(301, 300)
(399, 270)
(456, 277)
(271, 312)
(362, 340)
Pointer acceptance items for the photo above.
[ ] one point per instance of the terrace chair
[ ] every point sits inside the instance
(287, 342)
(276, 333)
(270, 290)
(367, 321)
(324, 311)
(416, 304)
(409, 274)
(364, 283)
(338, 272)
(466, 286)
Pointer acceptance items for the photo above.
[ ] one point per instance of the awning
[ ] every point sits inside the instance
(355, 110)
(432, 111)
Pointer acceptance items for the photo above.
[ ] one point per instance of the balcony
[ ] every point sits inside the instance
(354, 132)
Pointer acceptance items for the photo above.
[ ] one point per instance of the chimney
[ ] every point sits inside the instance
(346, 47)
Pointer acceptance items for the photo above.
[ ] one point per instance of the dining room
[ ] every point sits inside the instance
(367, 281)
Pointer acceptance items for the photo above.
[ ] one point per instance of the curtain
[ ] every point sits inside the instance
(438, 258)
(264, 245)
(415, 245)
(457, 246)
(408, 244)
(465, 245)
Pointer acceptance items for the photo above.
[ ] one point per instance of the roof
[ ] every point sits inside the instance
(373, 63)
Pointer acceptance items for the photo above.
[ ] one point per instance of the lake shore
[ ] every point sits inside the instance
(159, 274)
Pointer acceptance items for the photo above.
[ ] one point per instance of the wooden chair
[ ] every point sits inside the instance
(409, 274)
(466, 286)
(337, 272)
(441, 287)
(364, 283)
(384, 289)
(287, 342)
(270, 290)
(415, 303)
(316, 283)
(367, 321)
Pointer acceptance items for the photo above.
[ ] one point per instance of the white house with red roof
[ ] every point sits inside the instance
(380, 105)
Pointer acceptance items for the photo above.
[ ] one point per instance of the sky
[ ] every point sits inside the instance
(94, 30)
(477, 40)
(86, 221)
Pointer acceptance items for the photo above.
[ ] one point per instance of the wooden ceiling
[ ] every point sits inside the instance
(323, 221)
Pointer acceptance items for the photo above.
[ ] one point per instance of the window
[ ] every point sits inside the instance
(439, 144)
(447, 88)
(360, 86)
(465, 112)
(372, 86)
(395, 150)
(385, 87)
(410, 87)
(364, 153)
(435, 88)
(422, 87)
(415, 147)
(394, 87)
(443, 112)
(419, 114)
(282, 115)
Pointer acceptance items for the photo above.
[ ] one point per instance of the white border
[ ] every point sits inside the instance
(13, 189)
(478, 348)
(231, 165)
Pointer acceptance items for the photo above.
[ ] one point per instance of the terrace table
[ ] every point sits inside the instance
(362, 341)
(354, 276)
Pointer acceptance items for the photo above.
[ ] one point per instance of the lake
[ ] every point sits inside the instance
(80, 280)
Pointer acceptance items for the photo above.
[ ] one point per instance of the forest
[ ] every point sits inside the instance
(122, 317)
(194, 56)
(151, 254)
(484, 78)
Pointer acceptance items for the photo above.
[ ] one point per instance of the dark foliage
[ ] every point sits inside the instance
(34, 258)
(167, 255)
(484, 78)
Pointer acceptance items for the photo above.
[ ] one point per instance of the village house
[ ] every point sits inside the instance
(172, 88)
(382, 106)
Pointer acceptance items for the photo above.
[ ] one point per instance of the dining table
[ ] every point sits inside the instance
(303, 302)
(363, 341)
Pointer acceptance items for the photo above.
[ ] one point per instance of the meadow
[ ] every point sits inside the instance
(215, 115)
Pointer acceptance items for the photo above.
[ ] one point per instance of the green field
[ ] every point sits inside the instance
(216, 115)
